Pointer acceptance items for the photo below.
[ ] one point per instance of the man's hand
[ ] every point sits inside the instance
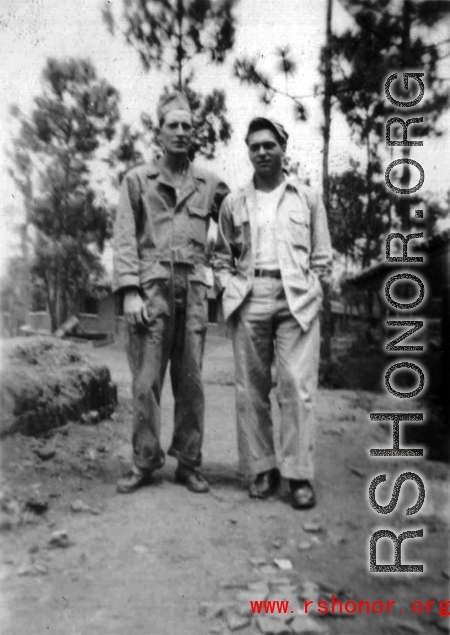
(134, 309)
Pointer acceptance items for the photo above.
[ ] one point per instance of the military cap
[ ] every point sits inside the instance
(259, 123)
(172, 101)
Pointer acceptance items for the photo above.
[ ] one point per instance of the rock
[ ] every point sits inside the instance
(78, 506)
(294, 605)
(357, 471)
(277, 544)
(216, 628)
(25, 570)
(60, 539)
(11, 506)
(312, 526)
(258, 561)
(409, 627)
(36, 505)
(309, 591)
(271, 626)
(441, 625)
(237, 583)
(283, 563)
(102, 449)
(236, 621)
(29, 518)
(284, 589)
(233, 521)
(40, 568)
(337, 539)
(32, 569)
(6, 524)
(249, 596)
(277, 582)
(213, 610)
(245, 610)
(304, 545)
(304, 625)
(140, 549)
(260, 586)
(203, 608)
(93, 416)
(268, 571)
(45, 453)
(33, 549)
(218, 609)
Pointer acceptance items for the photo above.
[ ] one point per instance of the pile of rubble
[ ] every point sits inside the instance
(45, 383)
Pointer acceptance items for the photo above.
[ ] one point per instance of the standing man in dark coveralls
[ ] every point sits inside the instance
(160, 237)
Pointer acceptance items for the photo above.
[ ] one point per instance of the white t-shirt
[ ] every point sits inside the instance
(266, 218)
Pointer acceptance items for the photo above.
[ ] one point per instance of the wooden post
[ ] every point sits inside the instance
(445, 335)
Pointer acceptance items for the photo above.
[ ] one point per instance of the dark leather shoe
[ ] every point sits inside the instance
(138, 478)
(264, 484)
(193, 480)
(302, 494)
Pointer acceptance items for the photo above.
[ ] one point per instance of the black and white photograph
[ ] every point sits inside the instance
(224, 317)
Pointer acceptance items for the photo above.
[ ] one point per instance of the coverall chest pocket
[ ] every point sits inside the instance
(299, 230)
(198, 224)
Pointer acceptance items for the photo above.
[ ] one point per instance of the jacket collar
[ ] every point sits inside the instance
(154, 169)
(189, 185)
(291, 182)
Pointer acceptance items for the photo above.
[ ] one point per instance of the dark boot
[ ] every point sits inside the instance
(264, 484)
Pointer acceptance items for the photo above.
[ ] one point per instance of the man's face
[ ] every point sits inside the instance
(176, 131)
(266, 153)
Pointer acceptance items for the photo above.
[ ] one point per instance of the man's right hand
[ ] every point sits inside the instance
(134, 309)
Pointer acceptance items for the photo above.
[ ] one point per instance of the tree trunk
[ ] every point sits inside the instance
(369, 209)
(328, 88)
(402, 201)
(180, 49)
(326, 315)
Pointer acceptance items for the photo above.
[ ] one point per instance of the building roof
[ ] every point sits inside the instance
(371, 277)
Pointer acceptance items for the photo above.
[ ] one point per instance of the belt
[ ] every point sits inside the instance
(176, 265)
(268, 273)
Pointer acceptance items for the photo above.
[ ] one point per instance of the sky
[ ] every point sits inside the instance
(32, 30)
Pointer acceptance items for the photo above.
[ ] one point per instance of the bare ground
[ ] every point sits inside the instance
(148, 562)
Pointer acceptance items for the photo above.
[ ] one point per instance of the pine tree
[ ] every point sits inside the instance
(52, 152)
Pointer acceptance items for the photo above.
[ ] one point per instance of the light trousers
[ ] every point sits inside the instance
(262, 326)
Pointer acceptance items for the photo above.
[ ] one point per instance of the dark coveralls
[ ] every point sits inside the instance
(160, 237)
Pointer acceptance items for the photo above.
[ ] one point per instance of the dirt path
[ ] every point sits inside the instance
(147, 563)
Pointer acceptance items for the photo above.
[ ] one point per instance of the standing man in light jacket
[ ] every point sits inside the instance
(160, 236)
(273, 248)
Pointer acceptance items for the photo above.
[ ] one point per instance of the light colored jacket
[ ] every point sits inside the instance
(303, 247)
(155, 225)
